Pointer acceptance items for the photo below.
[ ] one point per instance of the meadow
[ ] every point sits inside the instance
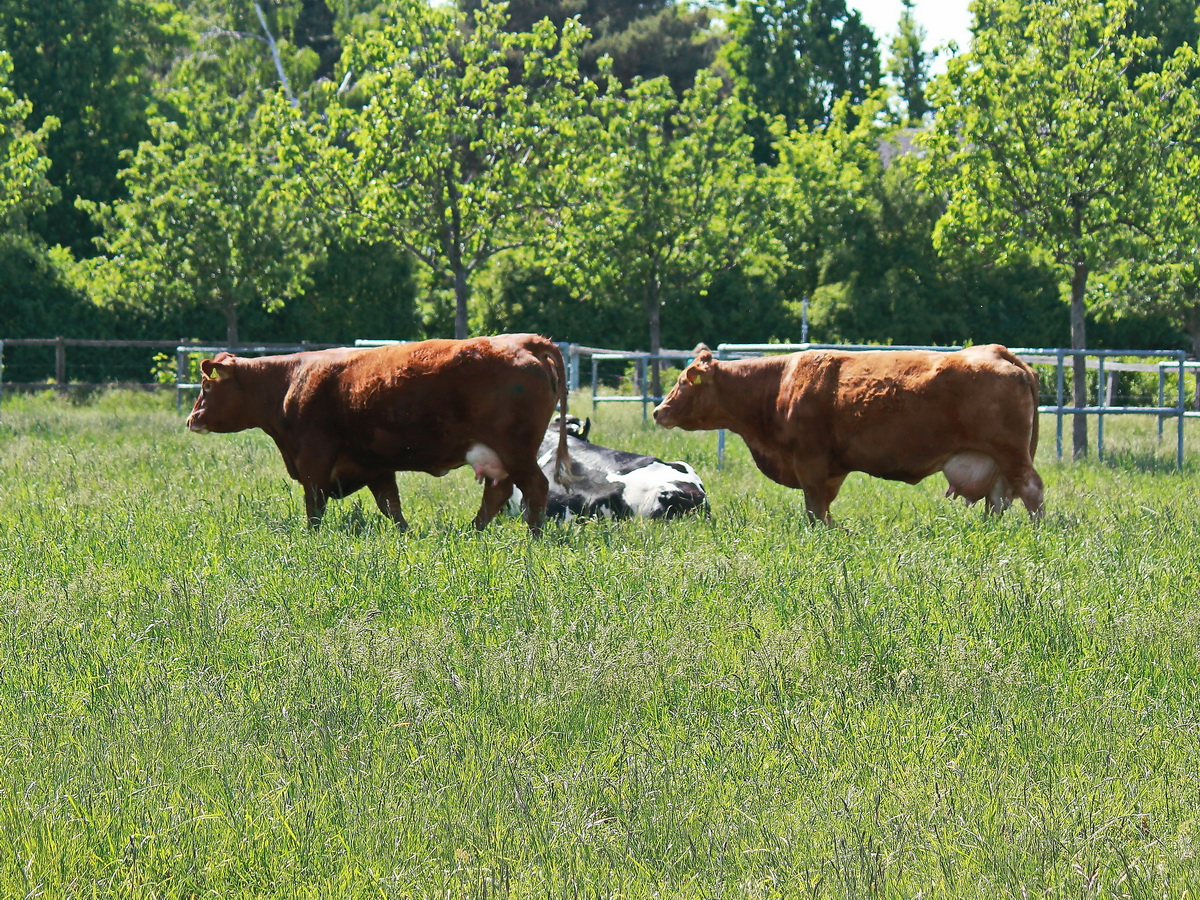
(199, 697)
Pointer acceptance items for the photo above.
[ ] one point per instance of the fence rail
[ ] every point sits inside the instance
(1060, 358)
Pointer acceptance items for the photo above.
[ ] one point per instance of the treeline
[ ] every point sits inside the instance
(629, 174)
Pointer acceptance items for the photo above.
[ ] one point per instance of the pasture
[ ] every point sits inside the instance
(201, 698)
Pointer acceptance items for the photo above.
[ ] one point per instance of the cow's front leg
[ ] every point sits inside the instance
(387, 498)
(495, 495)
(819, 495)
(315, 501)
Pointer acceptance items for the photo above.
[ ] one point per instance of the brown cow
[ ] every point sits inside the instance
(811, 418)
(351, 418)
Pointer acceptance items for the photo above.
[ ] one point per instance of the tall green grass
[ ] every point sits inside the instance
(199, 697)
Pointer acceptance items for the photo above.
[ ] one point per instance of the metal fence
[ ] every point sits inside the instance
(1170, 368)
(1168, 362)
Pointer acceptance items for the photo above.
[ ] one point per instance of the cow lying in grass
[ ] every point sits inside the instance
(614, 484)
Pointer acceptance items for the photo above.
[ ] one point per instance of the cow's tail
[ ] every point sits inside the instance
(552, 358)
(1031, 378)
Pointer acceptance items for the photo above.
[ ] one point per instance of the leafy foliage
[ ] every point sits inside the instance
(1047, 148)
(204, 221)
(451, 154)
(88, 65)
(908, 66)
(670, 198)
(642, 39)
(795, 59)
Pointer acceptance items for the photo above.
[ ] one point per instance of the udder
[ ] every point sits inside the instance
(972, 476)
(486, 463)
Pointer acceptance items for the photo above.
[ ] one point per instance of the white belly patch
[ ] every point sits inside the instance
(644, 485)
(486, 463)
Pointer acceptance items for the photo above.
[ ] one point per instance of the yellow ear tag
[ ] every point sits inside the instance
(696, 380)
(216, 374)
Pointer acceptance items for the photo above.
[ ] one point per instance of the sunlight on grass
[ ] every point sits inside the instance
(201, 697)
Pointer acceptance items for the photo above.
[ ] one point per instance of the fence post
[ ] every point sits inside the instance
(595, 381)
(1181, 355)
(1, 371)
(1059, 401)
(181, 358)
(60, 363)
(720, 431)
(1162, 379)
(644, 380)
(573, 366)
(1100, 402)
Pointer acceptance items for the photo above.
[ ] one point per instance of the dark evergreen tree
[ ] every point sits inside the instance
(908, 67)
(797, 58)
(90, 64)
(644, 38)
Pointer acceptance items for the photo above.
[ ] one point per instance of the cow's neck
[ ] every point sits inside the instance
(750, 389)
(266, 383)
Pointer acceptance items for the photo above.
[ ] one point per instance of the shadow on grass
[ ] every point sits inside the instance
(1149, 462)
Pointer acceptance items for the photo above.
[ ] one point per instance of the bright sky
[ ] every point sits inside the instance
(943, 20)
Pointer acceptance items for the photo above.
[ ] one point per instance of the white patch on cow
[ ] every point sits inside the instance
(486, 463)
(644, 485)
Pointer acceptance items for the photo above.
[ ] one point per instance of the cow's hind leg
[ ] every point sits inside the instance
(387, 497)
(535, 487)
(495, 495)
(1024, 481)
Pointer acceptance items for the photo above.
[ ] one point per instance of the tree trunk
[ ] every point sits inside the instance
(231, 323)
(655, 312)
(1193, 326)
(461, 293)
(1079, 433)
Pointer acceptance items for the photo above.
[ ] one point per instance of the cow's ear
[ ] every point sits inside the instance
(214, 370)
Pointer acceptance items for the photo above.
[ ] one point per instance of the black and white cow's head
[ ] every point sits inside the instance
(615, 484)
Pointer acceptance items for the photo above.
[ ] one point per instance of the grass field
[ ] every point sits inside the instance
(201, 698)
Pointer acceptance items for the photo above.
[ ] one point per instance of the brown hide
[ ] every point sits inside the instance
(813, 417)
(346, 418)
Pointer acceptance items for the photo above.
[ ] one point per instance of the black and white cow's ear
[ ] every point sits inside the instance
(586, 428)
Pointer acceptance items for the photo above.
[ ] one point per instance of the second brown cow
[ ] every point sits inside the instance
(350, 418)
(811, 418)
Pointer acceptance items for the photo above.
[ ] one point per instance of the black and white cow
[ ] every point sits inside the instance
(614, 484)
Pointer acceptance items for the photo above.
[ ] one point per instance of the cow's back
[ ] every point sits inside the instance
(421, 406)
(900, 414)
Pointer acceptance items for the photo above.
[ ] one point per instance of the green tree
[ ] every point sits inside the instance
(32, 297)
(670, 199)
(24, 187)
(795, 59)
(206, 222)
(1046, 147)
(443, 147)
(908, 66)
(818, 191)
(883, 281)
(90, 65)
